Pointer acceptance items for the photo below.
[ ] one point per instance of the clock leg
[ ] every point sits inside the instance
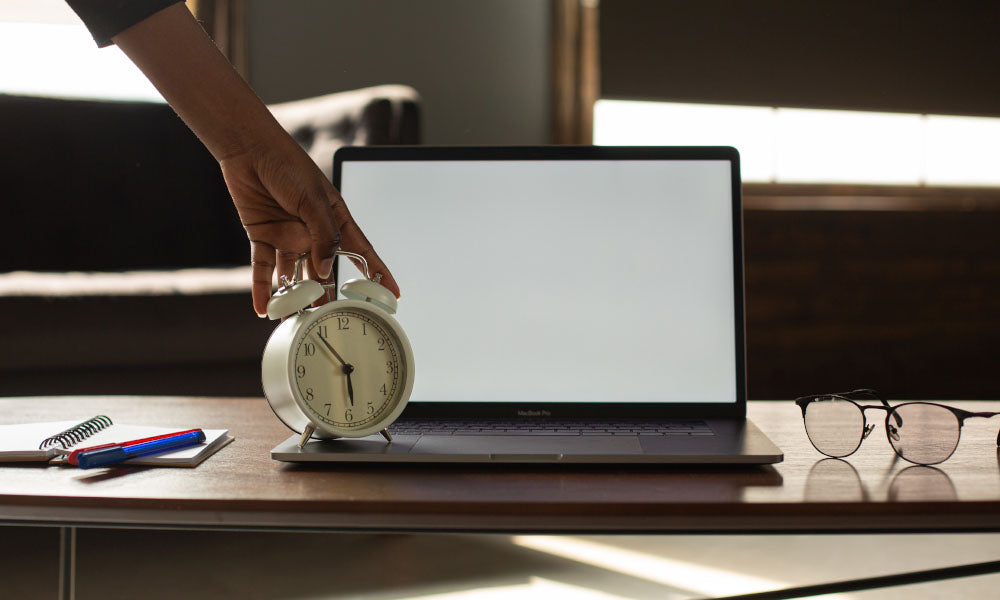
(306, 434)
(385, 434)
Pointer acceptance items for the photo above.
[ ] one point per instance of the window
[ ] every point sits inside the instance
(56, 56)
(787, 145)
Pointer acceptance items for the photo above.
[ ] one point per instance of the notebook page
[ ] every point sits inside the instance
(124, 433)
(20, 442)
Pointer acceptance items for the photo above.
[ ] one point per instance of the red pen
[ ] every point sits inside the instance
(72, 458)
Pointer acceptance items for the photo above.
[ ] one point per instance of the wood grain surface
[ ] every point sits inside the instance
(242, 488)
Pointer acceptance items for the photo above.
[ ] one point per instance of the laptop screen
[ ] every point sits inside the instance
(559, 276)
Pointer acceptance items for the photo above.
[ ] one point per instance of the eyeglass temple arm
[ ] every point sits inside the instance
(868, 392)
(802, 401)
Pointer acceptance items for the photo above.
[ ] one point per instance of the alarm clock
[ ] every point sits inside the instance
(342, 369)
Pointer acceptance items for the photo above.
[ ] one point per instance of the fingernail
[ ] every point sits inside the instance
(261, 316)
(325, 267)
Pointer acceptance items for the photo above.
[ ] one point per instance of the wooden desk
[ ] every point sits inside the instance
(242, 488)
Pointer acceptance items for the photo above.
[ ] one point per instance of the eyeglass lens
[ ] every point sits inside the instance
(834, 426)
(925, 434)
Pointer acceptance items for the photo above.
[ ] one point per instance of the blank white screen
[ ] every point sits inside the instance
(557, 281)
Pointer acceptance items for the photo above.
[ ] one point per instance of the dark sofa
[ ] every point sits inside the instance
(123, 265)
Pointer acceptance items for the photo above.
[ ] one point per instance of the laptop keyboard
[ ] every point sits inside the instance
(547, 427)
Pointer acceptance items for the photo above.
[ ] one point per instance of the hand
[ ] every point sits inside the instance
(288, 208)
(285, 203)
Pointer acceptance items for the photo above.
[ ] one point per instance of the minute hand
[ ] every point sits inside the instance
(330, 348)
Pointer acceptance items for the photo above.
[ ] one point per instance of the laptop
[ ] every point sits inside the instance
(564, 304)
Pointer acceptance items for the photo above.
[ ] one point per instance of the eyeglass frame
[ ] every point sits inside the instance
(961, 415)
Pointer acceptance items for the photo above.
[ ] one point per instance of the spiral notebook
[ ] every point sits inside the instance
(42, 442)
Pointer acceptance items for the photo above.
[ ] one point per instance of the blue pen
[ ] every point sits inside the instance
(112, 455)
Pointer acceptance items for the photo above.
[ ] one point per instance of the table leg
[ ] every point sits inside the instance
(67, 563)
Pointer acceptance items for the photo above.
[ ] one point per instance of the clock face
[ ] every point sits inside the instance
(349, 369)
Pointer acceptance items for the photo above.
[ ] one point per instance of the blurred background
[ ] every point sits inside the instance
(868, 134)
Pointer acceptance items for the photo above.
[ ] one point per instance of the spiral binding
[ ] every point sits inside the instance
(77, 433)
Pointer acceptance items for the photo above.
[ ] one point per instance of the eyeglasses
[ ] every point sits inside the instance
(925, 433)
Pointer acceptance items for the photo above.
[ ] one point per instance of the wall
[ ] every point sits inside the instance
(482, 66)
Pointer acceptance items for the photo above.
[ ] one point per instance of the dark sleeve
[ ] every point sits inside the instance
(108, 18)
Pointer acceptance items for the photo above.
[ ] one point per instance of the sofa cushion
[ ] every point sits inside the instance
(375, 116)
(118, 259)
(61, 327)
(143, 317)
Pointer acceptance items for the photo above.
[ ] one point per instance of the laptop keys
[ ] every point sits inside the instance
(550, 428)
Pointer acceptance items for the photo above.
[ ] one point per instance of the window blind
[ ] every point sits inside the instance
(914, 56)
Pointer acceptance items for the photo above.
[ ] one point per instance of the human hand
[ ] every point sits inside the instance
(285, 203)
(288, 208)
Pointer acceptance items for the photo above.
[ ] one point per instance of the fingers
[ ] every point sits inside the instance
(354, 240)
(276, 243)
(323, 234)
(262, 267)
(330, 293)
(286, 263)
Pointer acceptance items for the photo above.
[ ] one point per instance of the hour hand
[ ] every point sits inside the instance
(348, 369)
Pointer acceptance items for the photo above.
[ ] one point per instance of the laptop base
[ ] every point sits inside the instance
(735, 441)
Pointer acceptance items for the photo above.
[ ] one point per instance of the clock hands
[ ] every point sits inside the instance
(348, 369)
(345, 366)
(330, 348)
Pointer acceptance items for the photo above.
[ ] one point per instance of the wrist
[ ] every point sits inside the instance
(239, 133)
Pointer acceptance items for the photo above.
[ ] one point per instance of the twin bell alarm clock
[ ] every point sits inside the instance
(342, 369)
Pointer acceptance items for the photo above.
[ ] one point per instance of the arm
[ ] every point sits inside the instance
(285, 203)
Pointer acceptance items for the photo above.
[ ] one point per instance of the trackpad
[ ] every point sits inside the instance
(526, 444)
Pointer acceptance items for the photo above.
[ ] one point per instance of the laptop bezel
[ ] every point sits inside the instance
(580, 410)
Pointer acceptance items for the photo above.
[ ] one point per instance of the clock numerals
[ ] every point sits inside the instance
(326, 375)
(349, 379)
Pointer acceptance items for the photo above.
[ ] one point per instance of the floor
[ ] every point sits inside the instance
(154, 565)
